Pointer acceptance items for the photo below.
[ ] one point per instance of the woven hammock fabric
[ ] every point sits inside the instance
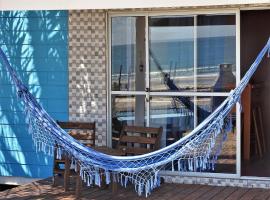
(195, 152)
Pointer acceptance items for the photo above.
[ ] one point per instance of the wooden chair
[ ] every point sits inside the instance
(136, 140)
(85, 133)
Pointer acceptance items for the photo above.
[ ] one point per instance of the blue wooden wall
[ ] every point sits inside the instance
(36, 43)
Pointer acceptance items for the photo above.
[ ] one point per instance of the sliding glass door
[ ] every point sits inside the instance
(172, 71)
(128, 73)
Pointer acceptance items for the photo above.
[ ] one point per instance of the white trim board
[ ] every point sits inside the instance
(118, 4)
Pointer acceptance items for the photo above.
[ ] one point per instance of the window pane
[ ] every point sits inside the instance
(177, 121)
(171, 55)
(127, 110)
(216, 50)
(128, 54)
(176, 118)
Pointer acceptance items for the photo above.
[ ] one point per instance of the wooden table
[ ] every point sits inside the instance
(113, 152)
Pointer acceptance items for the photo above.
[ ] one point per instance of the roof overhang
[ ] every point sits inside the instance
(117, 4)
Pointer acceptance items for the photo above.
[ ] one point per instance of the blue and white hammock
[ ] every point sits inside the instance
(196, 151)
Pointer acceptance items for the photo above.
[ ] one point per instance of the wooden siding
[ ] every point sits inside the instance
(37, 46)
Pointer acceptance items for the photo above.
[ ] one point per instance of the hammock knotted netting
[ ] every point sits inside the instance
(197, 151)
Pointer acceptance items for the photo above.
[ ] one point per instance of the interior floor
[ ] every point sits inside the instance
(257, 167)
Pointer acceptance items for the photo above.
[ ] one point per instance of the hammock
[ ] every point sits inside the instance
(195, 152)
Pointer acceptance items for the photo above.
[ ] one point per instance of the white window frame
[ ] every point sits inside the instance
(148, 14)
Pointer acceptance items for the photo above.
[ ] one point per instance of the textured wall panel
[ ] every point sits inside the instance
(233, 182)
(87, 69)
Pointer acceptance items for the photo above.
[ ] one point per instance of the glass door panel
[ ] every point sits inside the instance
(186, 54)
(128, 73)
(216, 51)
(176, 117)
(127, 110)
(171, 56)
(128, 54)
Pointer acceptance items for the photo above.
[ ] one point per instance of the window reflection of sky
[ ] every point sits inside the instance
(168, 34)
(173, 46)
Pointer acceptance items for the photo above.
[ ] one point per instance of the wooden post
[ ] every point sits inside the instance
(78, 183)
(257, 135)
(66, 174)
(262, 130)
(114, 187)
(246, 105)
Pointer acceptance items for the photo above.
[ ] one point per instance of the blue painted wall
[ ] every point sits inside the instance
(36, 43)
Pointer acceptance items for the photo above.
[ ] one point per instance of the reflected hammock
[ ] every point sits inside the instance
(202, 113)
(197, 151)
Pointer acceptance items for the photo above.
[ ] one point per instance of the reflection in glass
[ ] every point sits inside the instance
(186, 53)
(128, 54)
(176, 118)
(216, 52)
(173, 52)
(171, 46)
(127, 110)
(227, 160)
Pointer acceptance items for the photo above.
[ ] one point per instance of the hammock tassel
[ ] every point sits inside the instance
(114, 178)
(140, 189)
(126, 181)
(180, 167)
(173, 166)
(97, 178)
(121, 180)
(156, 178)
(72, 164)
(88, 180)
(152, 182)
(147, 189)
(108, 177)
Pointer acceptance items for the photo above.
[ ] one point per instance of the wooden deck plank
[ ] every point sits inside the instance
(169, 193)
(198, 193)
(157, 194)
(190, 189)
(44, 190)
(211, 193)
(224, 193)
(251, 194)
(177, 190)
(237, 194)
(265, 194)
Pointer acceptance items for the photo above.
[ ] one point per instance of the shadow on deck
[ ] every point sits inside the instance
(44, 190)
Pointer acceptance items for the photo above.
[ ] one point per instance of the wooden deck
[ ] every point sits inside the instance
(44, 190)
